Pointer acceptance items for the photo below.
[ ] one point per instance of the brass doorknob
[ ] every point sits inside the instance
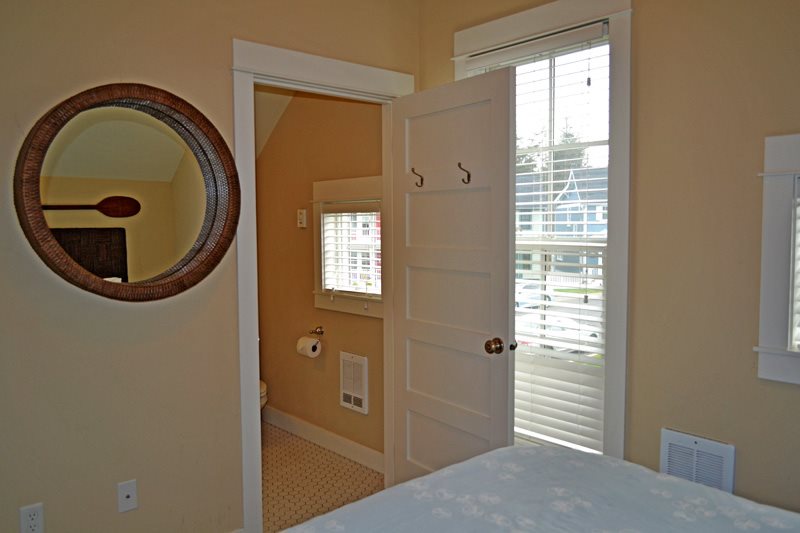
(494, 345)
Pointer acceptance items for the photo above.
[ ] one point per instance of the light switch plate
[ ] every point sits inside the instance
(302, 218)
(127, 497)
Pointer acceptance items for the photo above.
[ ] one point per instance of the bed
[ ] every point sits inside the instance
(543, 488)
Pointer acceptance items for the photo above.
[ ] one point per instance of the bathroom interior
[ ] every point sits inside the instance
(303, 138)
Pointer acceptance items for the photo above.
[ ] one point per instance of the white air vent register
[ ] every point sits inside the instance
(697, 459)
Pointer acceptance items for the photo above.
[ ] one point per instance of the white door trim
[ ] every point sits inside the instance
(257, 63)
(290, 69)
(618, 237)
(247, 291)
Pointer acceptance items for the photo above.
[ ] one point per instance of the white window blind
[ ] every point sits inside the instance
(561, 235)
(795, 325)
(351, 247)
(510, 54)
(556, 387)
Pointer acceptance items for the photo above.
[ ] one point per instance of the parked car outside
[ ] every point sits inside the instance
(530, 295)
(558, 333)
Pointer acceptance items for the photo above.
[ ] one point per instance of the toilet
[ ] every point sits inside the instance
(263, 393)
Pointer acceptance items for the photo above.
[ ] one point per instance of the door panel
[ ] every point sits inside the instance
(465, 231)
(459, 131)
(434, 445)
(438, 371)
(452, 254)
(431, 293)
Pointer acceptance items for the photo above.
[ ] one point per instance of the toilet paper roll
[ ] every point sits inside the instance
(309, 346)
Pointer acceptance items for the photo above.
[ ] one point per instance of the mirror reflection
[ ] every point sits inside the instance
(102, 164)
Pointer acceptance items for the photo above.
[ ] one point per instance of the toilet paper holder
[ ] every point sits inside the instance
(317, 331)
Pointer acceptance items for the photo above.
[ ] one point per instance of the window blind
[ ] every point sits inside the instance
(351, 247)
(512, 52)
(561, 234)
(795, 315)
(568, 400)
(559, 373)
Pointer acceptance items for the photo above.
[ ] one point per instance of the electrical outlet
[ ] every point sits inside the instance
(127, 499)
(31, 518)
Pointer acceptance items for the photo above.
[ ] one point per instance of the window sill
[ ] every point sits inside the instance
(356, 304)
(778, 364)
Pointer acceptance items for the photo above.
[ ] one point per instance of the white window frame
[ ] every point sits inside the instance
(777, 361)
(368, 189)
(549, 20)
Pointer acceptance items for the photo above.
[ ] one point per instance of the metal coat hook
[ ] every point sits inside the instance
(469, 174)
(421, 177)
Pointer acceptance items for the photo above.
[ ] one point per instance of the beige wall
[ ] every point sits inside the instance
(710, 79)
(702, 104)
(94, 391)
(439, 19)
(317, 138)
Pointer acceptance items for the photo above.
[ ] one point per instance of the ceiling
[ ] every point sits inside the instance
(115, 143)
(125, 144)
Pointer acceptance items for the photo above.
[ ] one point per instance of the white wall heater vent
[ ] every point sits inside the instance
(353, 382)
(697, 459)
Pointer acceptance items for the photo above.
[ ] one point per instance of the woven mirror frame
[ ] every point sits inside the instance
(212, 154)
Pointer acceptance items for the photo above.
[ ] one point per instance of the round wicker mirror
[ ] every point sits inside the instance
(220, 180)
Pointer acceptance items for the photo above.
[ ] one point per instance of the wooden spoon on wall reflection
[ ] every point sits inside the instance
(113, 206)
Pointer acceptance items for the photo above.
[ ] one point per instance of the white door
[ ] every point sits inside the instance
(453, 207)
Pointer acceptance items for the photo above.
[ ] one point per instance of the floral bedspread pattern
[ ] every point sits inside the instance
(544, 488)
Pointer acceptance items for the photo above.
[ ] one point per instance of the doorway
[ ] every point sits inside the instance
(303, 139)
(253, 64)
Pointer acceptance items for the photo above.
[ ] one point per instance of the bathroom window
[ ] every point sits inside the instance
(351, 248)
(347, 245)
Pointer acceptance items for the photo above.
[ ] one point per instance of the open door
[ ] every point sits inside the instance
(453, 206)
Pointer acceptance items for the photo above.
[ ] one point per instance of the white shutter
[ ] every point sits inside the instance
(562, 221)
(795, 317)
(351, 247)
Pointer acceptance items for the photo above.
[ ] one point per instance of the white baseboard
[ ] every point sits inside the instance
(322, 437)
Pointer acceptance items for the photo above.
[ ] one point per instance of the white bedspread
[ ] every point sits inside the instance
(544, 488)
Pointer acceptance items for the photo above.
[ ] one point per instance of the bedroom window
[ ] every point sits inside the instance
(571, 222)
(347, 245)
(779, 316)
(562, 181)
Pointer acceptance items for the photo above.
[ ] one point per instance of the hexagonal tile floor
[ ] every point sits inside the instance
(302, 480)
